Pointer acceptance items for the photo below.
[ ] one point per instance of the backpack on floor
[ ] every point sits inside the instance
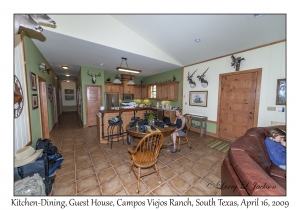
(46, 145)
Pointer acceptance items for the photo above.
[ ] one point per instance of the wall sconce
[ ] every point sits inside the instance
(43, 69)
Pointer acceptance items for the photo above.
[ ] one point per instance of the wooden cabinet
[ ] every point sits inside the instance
(170, 114)
(173, 92)
(126, 117)
(111, 88)
(128, 89)
(167, 91)
(137, 92)
(144, 92)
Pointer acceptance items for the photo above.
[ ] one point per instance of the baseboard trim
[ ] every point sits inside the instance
(70, 111)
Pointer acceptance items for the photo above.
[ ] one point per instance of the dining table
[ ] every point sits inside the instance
(165, 131)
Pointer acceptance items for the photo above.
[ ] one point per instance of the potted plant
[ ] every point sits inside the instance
(151, 117)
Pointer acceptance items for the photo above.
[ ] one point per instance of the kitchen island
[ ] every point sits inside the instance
(125, 114)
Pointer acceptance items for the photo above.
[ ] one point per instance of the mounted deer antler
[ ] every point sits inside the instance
(93, 77)
(204, 83)
(189, 78)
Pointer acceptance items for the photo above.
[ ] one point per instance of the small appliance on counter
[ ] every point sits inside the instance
(128, 105)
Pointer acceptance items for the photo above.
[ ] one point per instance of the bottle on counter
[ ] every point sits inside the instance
(153, 122)
(137, 126)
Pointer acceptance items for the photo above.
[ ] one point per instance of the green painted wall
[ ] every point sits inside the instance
(33, 58)
(87, 80)
(161, 78)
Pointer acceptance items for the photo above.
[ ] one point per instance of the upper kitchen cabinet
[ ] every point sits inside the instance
(112, 88)
(137, 92)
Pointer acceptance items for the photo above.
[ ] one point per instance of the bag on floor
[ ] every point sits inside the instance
(39, 166)
(54, 162)
(46, 145)
(31, 185)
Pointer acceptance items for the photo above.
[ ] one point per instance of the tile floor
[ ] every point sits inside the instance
(91, 168)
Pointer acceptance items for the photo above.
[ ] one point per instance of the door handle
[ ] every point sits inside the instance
(250, 117)
(250, 112)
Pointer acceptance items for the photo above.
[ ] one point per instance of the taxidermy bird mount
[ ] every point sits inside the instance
(108, 79)
(43, 68)
(236, 62)
(94, 77)
(204, 83)
(174, 78)
(26, 21)
(189, 78)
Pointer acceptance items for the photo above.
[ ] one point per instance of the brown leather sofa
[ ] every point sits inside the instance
(247, 168)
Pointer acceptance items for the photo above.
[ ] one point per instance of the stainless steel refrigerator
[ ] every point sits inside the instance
(111, 101)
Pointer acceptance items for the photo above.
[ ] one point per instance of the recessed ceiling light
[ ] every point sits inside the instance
(197, 40)
(101, 64)
(68, 75)
(65, 67)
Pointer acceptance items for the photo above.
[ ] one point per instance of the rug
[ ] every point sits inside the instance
(219, 145)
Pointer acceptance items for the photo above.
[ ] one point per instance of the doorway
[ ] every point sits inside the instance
(43, 108)
(238, 103)
(93, 103)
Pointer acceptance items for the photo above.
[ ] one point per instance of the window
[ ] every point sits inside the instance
(153, 91)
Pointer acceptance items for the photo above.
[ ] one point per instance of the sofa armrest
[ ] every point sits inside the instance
(253, 178)
(276, 171)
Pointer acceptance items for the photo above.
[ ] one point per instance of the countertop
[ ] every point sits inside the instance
(133, 109)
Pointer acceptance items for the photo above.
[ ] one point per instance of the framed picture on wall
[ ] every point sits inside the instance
(281, 92)
(33, 81)
(69, 97)
(198, 98)
(34, 101)
(69, 91)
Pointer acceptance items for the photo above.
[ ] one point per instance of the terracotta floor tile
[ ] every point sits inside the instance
(166, 173)
(65, 169)
(83, 164)
(100, 159)
(106, 175)
(101, 166)
(177, 167)
(217, 170)
(117, 160)
(199, 170)
(92, 191)
(179, 184)
(127, 179)
(193, 157)
(165, 159)
(152, 181)
(193, 191)
(121, 192)
(67, 149)
(207, 187)
(68, 155)
(69, 189)
(131, 189)
(165, 190)
(185, 161)
(83, 151)
(122, 168)
(86, 183)
(215, 179)
(84, 172)
(189, 176)
(208, 164)
(64, 180)
(82, 157)
(111, 186)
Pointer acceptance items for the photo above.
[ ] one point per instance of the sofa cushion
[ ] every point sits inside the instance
(252, 147)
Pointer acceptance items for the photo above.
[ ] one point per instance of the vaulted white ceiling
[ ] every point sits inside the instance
(151, 43)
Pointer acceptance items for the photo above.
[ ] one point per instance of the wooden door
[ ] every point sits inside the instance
(238, 103)
(93, 103)
(43, 108)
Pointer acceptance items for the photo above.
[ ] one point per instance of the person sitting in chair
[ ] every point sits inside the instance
(276, 143)
(180, 128)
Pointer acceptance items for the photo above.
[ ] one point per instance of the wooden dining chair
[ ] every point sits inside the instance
(145, 156)
(188, 122)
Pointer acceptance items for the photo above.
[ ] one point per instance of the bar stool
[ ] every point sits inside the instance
(115, 130)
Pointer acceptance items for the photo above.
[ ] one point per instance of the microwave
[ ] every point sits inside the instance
(128, 97)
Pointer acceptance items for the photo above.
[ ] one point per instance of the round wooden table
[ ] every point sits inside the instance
(166, 131)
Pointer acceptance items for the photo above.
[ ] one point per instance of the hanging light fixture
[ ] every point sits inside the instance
(130, 82)
(120, 68)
